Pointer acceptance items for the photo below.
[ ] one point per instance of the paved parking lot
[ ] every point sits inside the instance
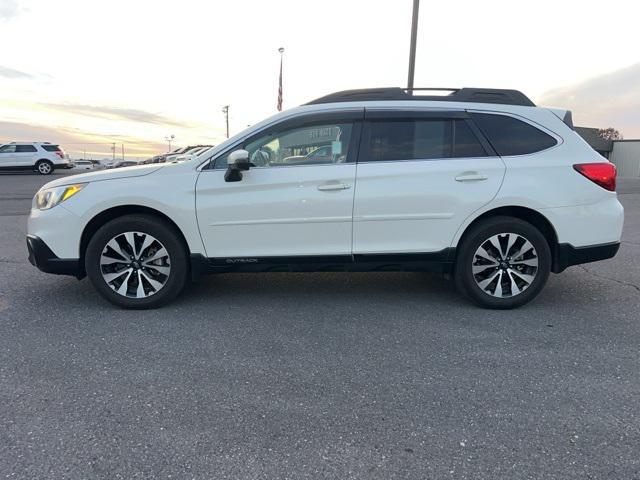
(339, 375)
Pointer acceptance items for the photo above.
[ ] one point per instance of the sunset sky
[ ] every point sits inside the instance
(87, 73)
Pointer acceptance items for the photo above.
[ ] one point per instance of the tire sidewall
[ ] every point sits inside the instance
(144, 224)
(478, 235)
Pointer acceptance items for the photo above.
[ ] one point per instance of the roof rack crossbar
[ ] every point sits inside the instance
(473, 95)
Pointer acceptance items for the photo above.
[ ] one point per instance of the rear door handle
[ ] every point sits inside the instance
(470, 177)
(333, 186)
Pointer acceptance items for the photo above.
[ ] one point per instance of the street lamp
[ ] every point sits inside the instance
(412, 49)
(169, 138)
(225, 110)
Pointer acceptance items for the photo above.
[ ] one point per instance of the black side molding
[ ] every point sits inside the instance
(41, 256)
(567, 255)
(440, 262)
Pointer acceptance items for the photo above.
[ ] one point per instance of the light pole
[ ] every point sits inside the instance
(170, 138)
(412, 48)
(225, 110)
(279, 106)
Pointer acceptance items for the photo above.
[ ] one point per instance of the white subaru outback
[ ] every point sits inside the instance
(43, 157)
(479, 184)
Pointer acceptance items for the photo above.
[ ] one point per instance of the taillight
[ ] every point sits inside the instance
(603, 174)
(60, 153)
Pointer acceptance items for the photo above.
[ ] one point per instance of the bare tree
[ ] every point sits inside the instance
(610, 133)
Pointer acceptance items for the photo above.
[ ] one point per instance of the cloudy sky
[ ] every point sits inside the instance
(85, 73)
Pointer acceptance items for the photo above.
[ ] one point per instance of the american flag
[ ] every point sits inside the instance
(280, 87)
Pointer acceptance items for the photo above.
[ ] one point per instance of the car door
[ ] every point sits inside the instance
(289, 203)
(8, 156)
(25, 155)
(420, 174)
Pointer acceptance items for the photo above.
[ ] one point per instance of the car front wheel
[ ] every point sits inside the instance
(503, 262)
(137, 261)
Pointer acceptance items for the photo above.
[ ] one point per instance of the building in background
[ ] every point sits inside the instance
(624, 154)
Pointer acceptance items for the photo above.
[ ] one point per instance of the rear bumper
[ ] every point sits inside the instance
(41, 256)
(567, 255)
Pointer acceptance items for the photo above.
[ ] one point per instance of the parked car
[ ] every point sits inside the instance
(42, 157)
(83, 165)
(480, 185)
(123, 163)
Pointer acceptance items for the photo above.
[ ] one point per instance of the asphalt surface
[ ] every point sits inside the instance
(336, 375)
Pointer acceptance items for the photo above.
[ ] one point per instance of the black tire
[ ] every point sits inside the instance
(479, 235)
(44, 167)
(165, 234)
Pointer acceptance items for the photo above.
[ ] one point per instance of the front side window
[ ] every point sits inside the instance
(420, 139)
(308, 145)
(8, 149)
(25, 149)
(510, 136)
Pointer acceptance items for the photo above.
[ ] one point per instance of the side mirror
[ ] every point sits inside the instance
(237, 161)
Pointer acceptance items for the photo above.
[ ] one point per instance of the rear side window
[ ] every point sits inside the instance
(510, 136)
(25, 149)
(420, 140)
(51, 148)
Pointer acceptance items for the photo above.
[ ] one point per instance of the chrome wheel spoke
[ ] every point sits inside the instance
(111, 261)
(160, 269)
(526, 277)
(156, 256)
(148, 240)
(509, 275)
(482, 253)
(132, 275)
(530, 262)
(140, 291)
(498, 290)
(124, 286)
(131, 241)
(511, 240)
(515, 290)
(110, 277)
(485, 283)
(115, 246)
(526, 246)
(477, 269)
(155, 284)
(496, 244)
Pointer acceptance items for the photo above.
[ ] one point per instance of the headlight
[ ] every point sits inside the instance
(50, 197)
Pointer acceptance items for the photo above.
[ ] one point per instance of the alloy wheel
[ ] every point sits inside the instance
(135, 264)
(44, 168)
(505, 265)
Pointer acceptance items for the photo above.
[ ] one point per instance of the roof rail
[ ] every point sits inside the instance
(474, 95)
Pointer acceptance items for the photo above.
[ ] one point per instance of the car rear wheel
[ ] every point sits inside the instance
(137, 261)
(503, 263)
(44, 167)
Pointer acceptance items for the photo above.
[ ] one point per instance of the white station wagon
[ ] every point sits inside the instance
(480, 185)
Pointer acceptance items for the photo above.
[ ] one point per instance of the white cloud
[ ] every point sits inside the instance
(609, 100)
(8, 9)
(7, 72)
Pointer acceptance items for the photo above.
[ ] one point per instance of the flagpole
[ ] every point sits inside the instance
(280, 98)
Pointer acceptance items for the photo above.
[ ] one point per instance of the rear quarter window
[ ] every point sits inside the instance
(51, 148)
(510, 136)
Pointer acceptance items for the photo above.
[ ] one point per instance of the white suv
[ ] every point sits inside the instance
(43, 157)
(480, 184)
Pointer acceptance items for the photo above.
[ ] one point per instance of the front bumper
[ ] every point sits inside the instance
(567, 255)
(41, 256)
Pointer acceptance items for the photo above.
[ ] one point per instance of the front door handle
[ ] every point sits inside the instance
(470, 177)
(333, 186)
